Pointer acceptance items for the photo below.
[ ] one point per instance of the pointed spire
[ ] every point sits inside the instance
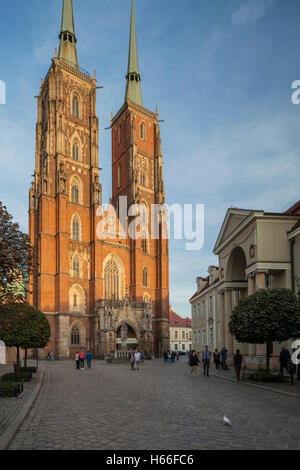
(133, 88)
(67, 48)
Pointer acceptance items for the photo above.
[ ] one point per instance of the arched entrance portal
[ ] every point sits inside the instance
(236, 267)
(2, 353)
(126, 338)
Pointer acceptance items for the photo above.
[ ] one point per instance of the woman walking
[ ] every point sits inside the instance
(217, 359)
(193, 362)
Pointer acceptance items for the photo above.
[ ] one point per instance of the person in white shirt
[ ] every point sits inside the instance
(137, 358)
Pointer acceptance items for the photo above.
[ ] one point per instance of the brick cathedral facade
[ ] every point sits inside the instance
(99, 293)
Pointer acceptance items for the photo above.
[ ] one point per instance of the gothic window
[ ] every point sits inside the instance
(76, 228)
(75, 300)
(144, 245)
(142, 131)
(142, 179)
(75, 107)
(76, 268)
(75, 336)
(119, 176)
(145, 277)
(75, 194)
(75, 151)
(111, 281)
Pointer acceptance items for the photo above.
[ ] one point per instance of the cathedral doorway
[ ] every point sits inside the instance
(126, 338)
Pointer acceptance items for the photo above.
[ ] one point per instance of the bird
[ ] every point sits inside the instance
(227, 421)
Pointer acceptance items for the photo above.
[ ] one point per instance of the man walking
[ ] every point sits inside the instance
(81, 357)
(237, 362)
(284, 359)
(224, 353)
(88, 360)
(137, 359)
(206, 355)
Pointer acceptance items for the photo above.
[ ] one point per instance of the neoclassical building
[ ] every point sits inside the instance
(180, 333)
(256, 250)
(100, 288)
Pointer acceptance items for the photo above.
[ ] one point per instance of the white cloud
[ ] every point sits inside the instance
(251, 12)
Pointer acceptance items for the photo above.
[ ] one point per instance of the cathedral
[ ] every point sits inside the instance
(106, 294)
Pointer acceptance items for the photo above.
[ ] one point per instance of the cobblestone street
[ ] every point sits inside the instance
(159, 407)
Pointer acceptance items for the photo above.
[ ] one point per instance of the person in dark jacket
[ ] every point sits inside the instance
(193, 362)
(284, 359)
(88, 360)
(217, 359)
(224, 353)
(237, 362)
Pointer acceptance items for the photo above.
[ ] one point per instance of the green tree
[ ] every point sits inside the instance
(266, 316)
(16, 258)
(22, 326)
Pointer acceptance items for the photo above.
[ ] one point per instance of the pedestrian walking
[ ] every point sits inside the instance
(137, 360)
(284, 359)
(237, 362)
(224, 353)
(193, 362)
(77, 361)
(169, 357)
(81, 358)
(206, 355)
(132, 361)
(165, 356)
(51, 356)
(177, 355)
(217, 359)
(88, 360)
(173, 357)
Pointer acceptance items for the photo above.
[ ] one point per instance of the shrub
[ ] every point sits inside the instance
(10, 389)
(32, 370)
(14, 377)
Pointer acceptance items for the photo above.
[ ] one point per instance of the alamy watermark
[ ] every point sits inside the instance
(296, 353)
(2, 92)
(160, 221)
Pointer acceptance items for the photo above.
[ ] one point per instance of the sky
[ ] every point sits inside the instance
(220, 72)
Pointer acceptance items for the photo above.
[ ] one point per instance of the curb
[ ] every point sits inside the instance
(11, 430)
(261, 387)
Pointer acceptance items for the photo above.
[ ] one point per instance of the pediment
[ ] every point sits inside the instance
(233, 219)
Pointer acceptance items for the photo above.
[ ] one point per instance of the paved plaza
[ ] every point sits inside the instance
(159, 407)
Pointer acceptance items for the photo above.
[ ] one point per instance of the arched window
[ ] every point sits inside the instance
(142, 179)
(75, 336)
(144, 245)
(119, 176)
(75, 194)
(75, 107)
(111, 281)
(75, 151)
(145, 277)
(76, 268)
(142, 131)
(75, 228)
(75, 300)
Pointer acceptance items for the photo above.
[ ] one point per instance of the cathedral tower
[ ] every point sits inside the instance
(137, 173)
(65, 192)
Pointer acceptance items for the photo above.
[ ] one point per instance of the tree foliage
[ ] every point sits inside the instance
(268, 315)
(16, 258)
(23, 326)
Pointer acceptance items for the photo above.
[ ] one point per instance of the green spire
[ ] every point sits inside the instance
(133, 88)
(67, 48)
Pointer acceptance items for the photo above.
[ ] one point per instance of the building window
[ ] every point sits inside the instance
(142, 131)
(268, 281)
(183, 335)
(75, 194)
(111, 281)
(203, 336)
(203, 307)
(75, 300)
(75, 336)
(145, 277)
(75, 229)
(119, 176)
(175, 334)
(76, 270)
(75, 107)
(210, 303)
(176, 347)
(183, 347)
(211, 336)
(142, 179)
(75, 151)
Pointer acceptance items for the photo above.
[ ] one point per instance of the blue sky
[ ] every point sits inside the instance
(220, 72)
